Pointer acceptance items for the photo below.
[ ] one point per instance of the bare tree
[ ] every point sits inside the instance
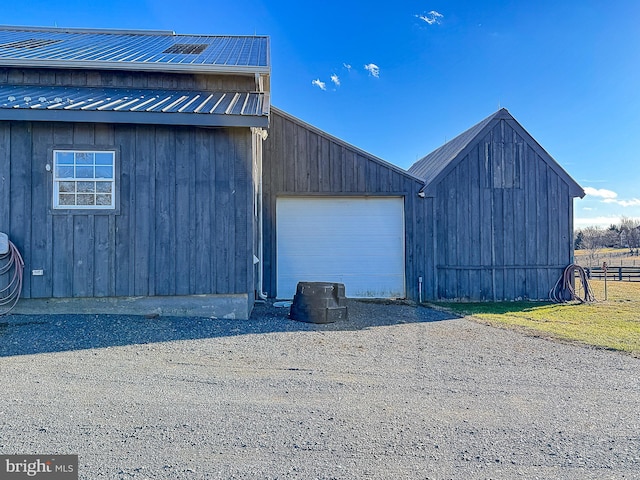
(592, 241)
(630, 232)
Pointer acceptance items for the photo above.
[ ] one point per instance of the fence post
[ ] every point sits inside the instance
(620, 273)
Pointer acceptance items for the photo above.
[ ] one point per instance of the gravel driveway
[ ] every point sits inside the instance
(397, 391)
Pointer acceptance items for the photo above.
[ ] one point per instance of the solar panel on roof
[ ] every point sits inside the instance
(187, 48)
(30, 43)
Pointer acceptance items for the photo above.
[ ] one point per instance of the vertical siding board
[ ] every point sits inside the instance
(519, 244)
(554, 228)
(269, 166)
(84, 133)
(462, 222)
(542, 234)
(565, 237)
(451, 237)
(243, 214)
(20, 213)
(509, 241)
(222, 202)
(337, 173)
(346, 162)
(101, 256)
(141, 220)
(410, 233)
(361, 174)
(62, 262)
(498, 243)
(301, 174)
(289, 153)
(62, 238)
(104, 249)
(15, 76)
(183, 209)
(5, 177)
(41, 221)
(474, 226)
(324, 165)
(486, 223)
(164, 236)
(125, 231)
(104, 134)
(531, 221)
(203, 202)
(83, 242)
(315, 172)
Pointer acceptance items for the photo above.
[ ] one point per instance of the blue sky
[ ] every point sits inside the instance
(398, 79)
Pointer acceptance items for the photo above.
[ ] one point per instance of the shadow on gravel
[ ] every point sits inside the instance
(32, 334)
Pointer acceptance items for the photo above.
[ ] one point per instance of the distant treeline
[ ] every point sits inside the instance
(624, 235)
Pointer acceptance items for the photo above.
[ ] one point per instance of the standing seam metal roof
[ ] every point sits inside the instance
(431, 165)
(204, 108)
(131, 50)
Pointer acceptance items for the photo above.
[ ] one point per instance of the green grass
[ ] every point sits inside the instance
(612, 324)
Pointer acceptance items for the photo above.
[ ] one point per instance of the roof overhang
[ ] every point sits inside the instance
(138, 106)
(136, 66)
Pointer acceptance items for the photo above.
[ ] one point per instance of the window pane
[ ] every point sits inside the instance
(104, 172)
(67, 187)
(104, 158)
(67, 199)
(75, 179)
(103, 187)
(86, 187)
(64, 158)
(84, 158)
(64, 172)
(103, 199)
(86, 199)
(84, 172)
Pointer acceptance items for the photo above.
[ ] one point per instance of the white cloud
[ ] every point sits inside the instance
(634, 202)
(318, 83)
(373, 69)
(609, 196)
(431, 17)
(347, 66)
(335, 79)
(600, 192)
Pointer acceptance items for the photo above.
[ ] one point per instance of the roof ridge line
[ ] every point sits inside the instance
(115, 31)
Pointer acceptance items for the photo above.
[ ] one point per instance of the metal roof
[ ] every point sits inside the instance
(133, 50)
(434, 165)
(121, 105)
(430, 166)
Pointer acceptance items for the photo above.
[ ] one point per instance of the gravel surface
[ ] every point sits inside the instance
(397, 391)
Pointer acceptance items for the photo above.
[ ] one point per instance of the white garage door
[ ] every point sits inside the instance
(358, 241)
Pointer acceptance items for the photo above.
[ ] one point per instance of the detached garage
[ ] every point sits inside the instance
(358, 241)
(333, 212)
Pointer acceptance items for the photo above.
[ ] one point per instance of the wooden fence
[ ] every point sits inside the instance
(627, 274)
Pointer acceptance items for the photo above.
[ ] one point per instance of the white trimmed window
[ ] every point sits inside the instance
(84, 179)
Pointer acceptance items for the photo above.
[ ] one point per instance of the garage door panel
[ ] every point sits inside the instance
(325, 265)
(357, 241)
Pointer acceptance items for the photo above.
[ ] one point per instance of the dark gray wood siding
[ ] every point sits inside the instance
(301, 160)
(106, 78)
(184, 223)
(504, 220)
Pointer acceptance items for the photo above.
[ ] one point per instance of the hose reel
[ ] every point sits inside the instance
(11, 273)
